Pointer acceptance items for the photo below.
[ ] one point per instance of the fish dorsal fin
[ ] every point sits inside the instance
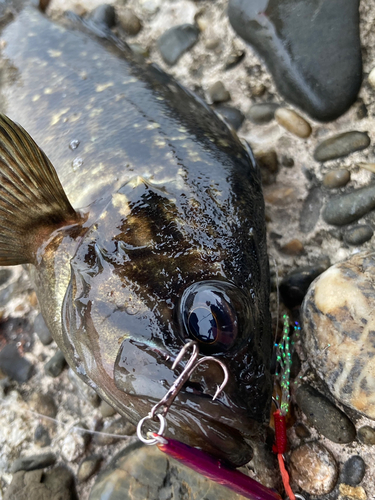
(32, 200)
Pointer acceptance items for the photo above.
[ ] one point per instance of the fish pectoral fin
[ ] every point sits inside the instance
(32, 200)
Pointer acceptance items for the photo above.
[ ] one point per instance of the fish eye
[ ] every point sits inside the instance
(209, 316)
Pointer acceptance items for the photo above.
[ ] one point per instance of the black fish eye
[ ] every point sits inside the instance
(208, 315)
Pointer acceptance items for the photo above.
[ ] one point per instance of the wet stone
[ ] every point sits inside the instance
(42, 330)
(44, 404)
(336, 178)
(353, 471)
(233, 116)
(218, 93)
(341, 145)
(358, 235)
(313, 468)
(310, 210)
(88, 467)
(104, 15)
(41, 436)
(33, 462)
(14, 365)
(293, 122)
(176, 41)
(129, 21)
(366, 435)
(262, 113)
(349, 207)
(315, 64)
(324, 415)
(55, 365)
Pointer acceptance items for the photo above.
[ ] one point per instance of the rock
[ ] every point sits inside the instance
(5, 275)
(74, 444)
(362, 111)
(88, 467)
(55, 365)
(324, 415)
(293, 122)
(33, 462)
(43, 404)
(341, 145)
(293, 247)
(287, 161)
(310, 210)
(106, 410)
(349, 207)
(14, 365)
(262, 113)
(120, 427)
(336, 178)
(313, 468)
(231, 115)
(316, 64)
(294, 286)
(280, 195)
(358, 235)
(176, 41)
(339, 331)
(104, 15)
(269, 166)
(371, 78)
(351, 493)
(129, 21)
(218, 93)
(366, 435)
(41, 436)
(42, 330)
(302, 431)
(353, 471)
(235, 57)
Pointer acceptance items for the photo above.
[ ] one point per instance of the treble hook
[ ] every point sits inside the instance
(177, 385)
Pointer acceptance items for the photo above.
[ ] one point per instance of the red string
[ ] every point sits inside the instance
(285, 477)
(279, 447)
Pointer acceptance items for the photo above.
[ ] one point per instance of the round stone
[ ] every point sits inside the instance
(353, 471)
(293, 247)
(232, 116)
(358, 235)
(129, 21)
(293, 122)
(313, 468)
(218, 93)
(366, 435)
(341, 145)
(176, 41)
(349, 207)
(336, 178)
(262, 113)
(339, 331)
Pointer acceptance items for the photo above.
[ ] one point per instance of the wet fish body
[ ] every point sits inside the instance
(163, 239)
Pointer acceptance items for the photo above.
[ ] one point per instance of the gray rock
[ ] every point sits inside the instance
(366, 435)
(310, 211)
(14, 365)
(341, 145)
(336, 178)
(353, 471)
(262, 113)
(325, 416)
(231, 115)
(88, 467)
(176, 41)
(104, 15)
(55, 365)
(41, 436)
(349, 207)
(316, 63)
(358, 235)
(129, 21)
(33, 462)
(42, 330)
(218, 93)
(5, 275)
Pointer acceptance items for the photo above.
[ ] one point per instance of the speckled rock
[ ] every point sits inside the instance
(316, 64)
(218, 93)
(349, 207)
(341, 145)
(14, 365)
(336, 178)
(366, 435)
(55, 365)
(353, 471)
(33, 462)
(339, 331)
(42, 330)
(325, 416)
(262, 113)
(176, 41)
(313, 468)
(293, 122)
(358, 235)
(233, 116)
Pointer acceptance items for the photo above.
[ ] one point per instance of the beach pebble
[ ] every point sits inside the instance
(88, 467)
(324, 415)
(351, 492)
(371, 78)
(176, 41)
(14, 365)
(33, 462)
(336, 178)
(313, 468)
(339, 331)
(293, 122)
(55, 365)
(233, 116)
(41, 436)
(341, 145)
(218, 93)
(349, 207)
(129, 22)
(353, 471)
(310, 211)
(358, 235)
(366, 435)
(42, 330)
(293, 247)
(104, 15)
(44, 404)
(262, 113)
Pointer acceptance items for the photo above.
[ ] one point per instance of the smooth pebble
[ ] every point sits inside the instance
(129, 22)
(218, 93)
(174, 42)
(293, 122)
(55, 365)
(233, 116)
(14, 365)
(42, 330)
(353, 471)
(33, 462)
(88, 467)
(336, 178)
(366, 435)
(262, 113)
(371, 78)
(341, 145)
(358, 235)
(349, 207)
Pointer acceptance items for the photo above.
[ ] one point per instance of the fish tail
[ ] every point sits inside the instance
(32, 200)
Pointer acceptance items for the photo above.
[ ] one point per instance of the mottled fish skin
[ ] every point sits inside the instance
(172, 198)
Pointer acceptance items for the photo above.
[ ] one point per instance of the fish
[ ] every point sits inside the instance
(139, 214)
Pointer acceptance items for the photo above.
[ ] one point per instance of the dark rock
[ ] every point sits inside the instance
(347, 208)
(41, 436)
(44, 404)
(5, 275)
(262, 113)
(325, 416)
(341, 145)
(104, 15)
(358, 235)
(310, 211)
(231, 115)
(353, 471)
(287, 161)
(55, 365)
(14, 365)
(176, 41)
(336, 178)
(88, 467)
(218, 93)
(269, 166)
(33, 462)
(129, 21)
(362, 111)
(366, 435)
(42, 330)
(302, 431)
(294, 286)
(315, 61)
